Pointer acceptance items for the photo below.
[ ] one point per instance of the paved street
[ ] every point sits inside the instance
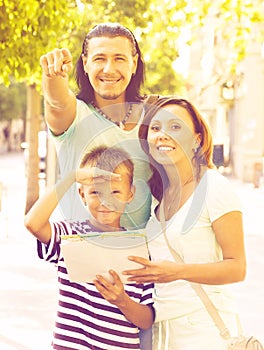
(28, 285)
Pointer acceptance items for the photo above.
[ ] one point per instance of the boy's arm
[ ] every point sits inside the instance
(140, 315)
(37, 219)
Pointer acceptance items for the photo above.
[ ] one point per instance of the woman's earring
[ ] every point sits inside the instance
(196, 146)
(195, 149)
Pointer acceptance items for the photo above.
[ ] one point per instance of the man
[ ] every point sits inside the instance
(107, 110)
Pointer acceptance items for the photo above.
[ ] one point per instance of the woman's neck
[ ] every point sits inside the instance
(181, 186)
(179, 177)
(179, 190)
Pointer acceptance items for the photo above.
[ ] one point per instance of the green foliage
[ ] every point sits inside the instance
(127, 12)
(28, 29)
(160, 53)
(239, 22)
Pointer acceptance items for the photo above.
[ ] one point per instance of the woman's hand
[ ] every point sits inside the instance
(56, 62)
(86, 176)
(157, 272)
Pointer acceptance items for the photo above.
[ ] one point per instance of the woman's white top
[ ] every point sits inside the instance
(190, 233)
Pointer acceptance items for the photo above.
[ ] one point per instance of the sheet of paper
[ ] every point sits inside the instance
(97, 253)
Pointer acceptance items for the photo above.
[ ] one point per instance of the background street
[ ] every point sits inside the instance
(28, 285)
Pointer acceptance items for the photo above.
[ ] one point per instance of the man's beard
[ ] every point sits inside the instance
(110, 96)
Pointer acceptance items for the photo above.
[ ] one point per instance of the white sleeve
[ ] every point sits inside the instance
(221, 197)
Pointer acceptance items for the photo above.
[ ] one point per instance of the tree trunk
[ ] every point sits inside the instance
(32, 129)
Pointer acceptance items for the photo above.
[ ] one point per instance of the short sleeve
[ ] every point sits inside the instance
(51, 252)
(82, 111)
(221, 196)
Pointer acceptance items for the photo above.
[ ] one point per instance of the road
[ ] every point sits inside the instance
(28, 285)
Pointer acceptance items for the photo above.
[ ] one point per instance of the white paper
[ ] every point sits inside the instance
(98, 253)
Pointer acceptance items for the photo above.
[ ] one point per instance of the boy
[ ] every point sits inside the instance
(99, 315)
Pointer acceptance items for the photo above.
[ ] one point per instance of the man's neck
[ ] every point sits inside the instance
(116, 110)
(102, 102)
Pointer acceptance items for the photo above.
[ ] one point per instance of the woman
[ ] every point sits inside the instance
(203, 225)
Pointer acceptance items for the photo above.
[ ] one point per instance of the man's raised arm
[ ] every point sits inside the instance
(60, 101)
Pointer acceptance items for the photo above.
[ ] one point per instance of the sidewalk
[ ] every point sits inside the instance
(28, 285)
(250, 292)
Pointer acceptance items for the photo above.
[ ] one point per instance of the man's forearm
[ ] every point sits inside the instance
(56, 91)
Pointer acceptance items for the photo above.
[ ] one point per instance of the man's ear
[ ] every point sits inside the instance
(84, 60)
(81, 193)
(135, 62)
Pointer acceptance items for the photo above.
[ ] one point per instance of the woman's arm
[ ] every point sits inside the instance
(229, 234)
(140, 315)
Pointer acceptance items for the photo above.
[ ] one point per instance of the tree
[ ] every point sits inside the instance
(28, 28)
(12, 101)
(12, 106)
(178, 23)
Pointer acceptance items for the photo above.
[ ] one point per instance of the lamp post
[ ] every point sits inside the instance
(228, 91)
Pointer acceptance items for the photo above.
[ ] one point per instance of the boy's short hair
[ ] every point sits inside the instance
(109, 159)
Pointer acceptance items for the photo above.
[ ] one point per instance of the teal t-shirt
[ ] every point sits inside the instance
(89, 130)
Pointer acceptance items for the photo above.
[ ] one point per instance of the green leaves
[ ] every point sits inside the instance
(30, 28)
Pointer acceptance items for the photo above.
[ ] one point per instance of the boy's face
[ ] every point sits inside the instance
(107, 200)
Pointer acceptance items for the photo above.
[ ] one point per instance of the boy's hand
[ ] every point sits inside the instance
(87, 175)
(113, 292)
(56, 62)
